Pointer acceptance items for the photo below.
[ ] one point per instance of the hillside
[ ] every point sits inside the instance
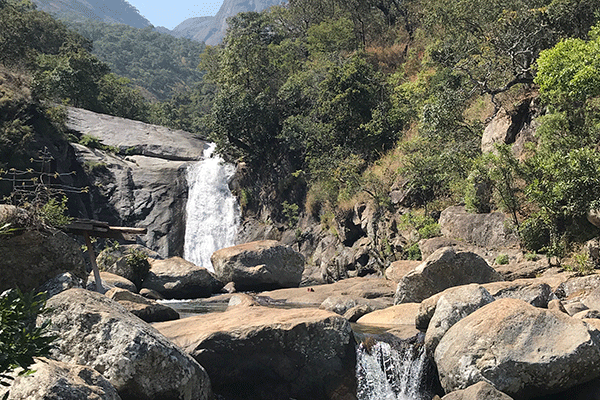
(111, 11)
(211, 30)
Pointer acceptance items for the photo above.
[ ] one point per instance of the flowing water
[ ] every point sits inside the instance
(386, 371)
(212, 212)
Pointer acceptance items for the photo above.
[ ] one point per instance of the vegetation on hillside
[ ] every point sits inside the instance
(316, 96)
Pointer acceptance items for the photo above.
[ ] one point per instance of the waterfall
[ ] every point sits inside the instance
(386, 372)
(212, 211)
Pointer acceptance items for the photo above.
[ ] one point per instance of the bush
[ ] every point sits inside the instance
(502, 259)
(20, 338)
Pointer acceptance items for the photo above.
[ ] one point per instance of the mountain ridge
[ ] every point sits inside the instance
(110, 11)
(211, 30)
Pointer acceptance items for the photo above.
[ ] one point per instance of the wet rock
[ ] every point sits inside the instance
(58, 380)
(143, 308)
(140, 363)
(260, 265)
(522, 350)
(443, 269)
(176, 278)
(265, 353)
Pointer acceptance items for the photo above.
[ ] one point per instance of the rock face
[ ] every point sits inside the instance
(176, 278)
(145, 309)
(445, 268)
(522, 350)
(269, 354)
(58, 380)
(41, 256)
(401, 314)
(139, 362)
(115, 11)
(484, 230)
(110, 281)
(211, 30)
(261, 265)
(144, 184)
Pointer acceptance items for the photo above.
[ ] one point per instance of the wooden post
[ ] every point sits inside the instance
(92, 254)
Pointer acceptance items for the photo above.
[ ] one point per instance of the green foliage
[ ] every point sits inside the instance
(159, 63)
(95, 143)
(54, 212)
(413, 252)
(425, 226)
(20, 338)
(502, 259)
(290, 212)
(137, 260)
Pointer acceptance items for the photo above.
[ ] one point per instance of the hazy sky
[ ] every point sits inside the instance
(171, 13)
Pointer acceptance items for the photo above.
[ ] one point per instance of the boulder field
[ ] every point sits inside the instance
(490, 335)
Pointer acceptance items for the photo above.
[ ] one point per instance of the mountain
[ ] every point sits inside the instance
(211, 30)
(109, 11)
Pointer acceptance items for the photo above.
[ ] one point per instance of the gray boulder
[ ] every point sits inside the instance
(452, 307)
(43, 255)
(110, 281)
(139, 362)
(534, 292)
(484, 230)
(60, 283)
(262, 265)
(255, 352)
(127, 261)
(445, 268)
(55, 380)
(143, 308)
(176, 278)
(479, 391)
(522, 350)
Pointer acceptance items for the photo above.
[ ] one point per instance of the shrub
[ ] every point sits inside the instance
(502, 259)
(20, 338)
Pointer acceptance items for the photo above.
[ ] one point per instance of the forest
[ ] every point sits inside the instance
(327, 102)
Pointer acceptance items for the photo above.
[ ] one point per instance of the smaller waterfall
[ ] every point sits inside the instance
(387, 373)
(212, 211)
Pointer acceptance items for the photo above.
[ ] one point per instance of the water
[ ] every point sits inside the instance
(213, 214)
(387, 372)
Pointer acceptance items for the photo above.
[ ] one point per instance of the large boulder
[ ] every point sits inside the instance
(264, 353)
(479, 391)
(262, 265)
(139, 362)
(55, 380)
(535, 292)
(445, 268)
(143, 308)
(453, 306)
(176, 278)
(522, 350)
(484, 230)
(29, 259)
(128, 261)
(109, 281)
(401, 314)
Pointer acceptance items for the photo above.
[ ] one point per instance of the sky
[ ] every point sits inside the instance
(171, 13)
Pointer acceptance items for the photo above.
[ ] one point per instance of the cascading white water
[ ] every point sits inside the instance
(212, 211)
(384, 373)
